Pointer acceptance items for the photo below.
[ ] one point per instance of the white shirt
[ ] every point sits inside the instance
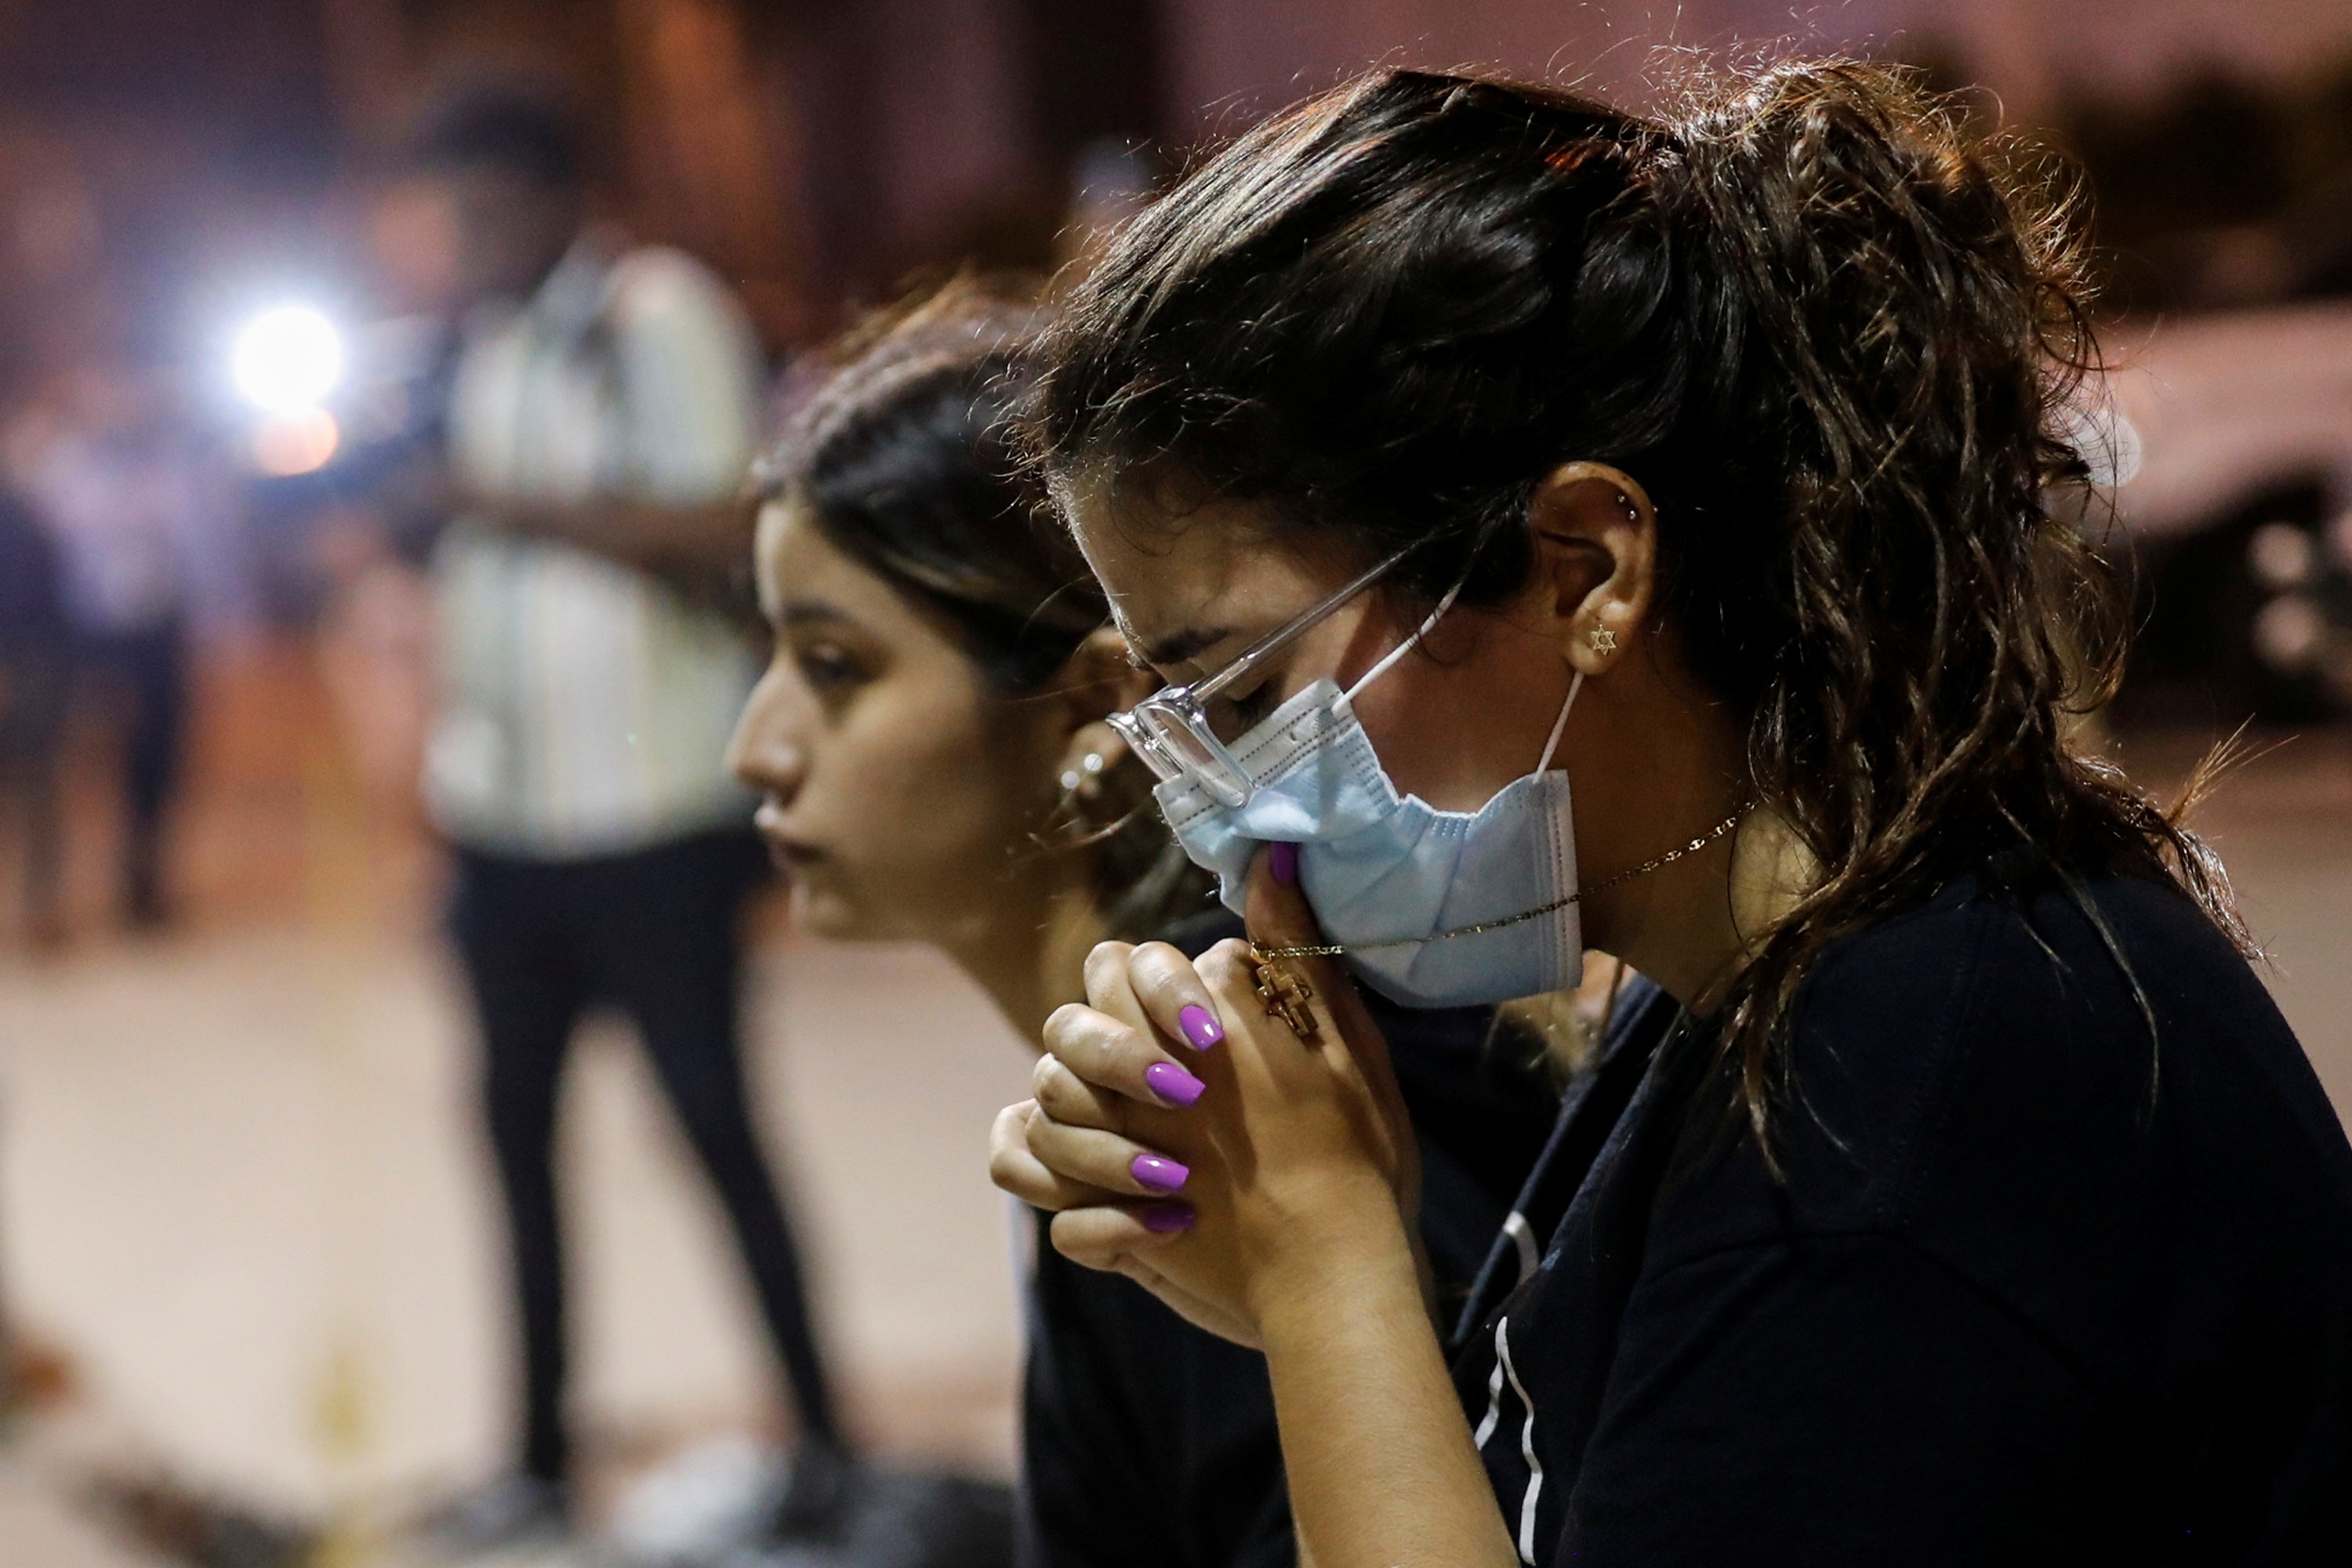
(586, 708)
(125, 515)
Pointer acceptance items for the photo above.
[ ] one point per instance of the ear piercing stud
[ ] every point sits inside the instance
(1603, 640)
(1082, 779)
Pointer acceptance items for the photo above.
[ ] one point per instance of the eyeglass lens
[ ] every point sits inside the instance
(1186, 739)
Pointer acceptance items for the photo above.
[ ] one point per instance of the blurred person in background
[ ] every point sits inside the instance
(931, 744)
(602, 418)
(116, 478)
(35, 675)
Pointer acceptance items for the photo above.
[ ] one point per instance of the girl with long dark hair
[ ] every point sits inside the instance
(1563, 528)
(930, 741)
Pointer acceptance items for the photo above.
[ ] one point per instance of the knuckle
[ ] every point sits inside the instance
(1223, 967)
(1088, 1045)
(1050, 1142)
(1065, 1023)
(1103, 1051)
(1064, 1098)
(1010, 1123)
(1080, 1236)
(1053, 1101)
(1157, 963)
(1105, 962)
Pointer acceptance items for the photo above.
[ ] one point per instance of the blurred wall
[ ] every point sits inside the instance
(817, 151)
(923, 128)
(894, 118)
(1233, 59)
(920, 131)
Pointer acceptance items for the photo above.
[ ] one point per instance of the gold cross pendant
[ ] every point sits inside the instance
(1285, 994)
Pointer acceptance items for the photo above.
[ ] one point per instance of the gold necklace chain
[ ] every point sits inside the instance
(1334, 949)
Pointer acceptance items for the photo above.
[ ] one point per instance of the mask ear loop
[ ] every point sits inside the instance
(1387, 660)
(1559, 725)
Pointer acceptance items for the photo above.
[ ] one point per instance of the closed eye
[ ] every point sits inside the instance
(1236, 716)
(830, 669)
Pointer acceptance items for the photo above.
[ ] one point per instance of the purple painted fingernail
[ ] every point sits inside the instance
(1200, 1027)
(1173, 1084)
(1160, 1173)
(1167, 1219)
(1282, 859)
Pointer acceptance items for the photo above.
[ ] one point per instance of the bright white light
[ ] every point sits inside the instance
(287, 359)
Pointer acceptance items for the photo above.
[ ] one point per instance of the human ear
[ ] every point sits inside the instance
(1596, 542)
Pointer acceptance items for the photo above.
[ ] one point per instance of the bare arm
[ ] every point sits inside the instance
(1383, 1473)
(685, 366)
(709, 536)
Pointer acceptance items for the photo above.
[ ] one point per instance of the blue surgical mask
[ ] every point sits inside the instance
(1436, 908)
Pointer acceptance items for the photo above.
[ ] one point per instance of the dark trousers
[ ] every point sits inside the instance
(651, 934)
(35, 691)
(150, 664)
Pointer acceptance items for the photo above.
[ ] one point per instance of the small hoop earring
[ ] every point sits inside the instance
(1604, 641)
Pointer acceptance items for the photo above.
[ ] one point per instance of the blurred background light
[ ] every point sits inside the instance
(287, 359)
(295, 441)
(2289, 632)
(2282, 555)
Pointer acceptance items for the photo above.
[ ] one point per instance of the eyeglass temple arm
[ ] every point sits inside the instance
(1281, 637)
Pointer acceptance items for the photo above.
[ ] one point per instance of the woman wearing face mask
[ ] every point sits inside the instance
(931, 747)
(1963, 1199)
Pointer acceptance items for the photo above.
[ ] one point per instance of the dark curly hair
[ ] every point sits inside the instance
(903, 461)
(1835, 339)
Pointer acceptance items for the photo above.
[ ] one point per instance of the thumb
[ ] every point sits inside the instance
(1277, 915)
(1274, 906)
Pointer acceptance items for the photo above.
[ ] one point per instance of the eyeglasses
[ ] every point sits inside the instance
(1170, 729)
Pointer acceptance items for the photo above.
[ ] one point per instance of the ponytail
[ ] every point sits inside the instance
(1919, 322)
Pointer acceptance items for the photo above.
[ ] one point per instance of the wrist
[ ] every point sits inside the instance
(1356, 1246)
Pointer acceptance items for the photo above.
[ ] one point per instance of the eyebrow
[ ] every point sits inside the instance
(810, 612)
(1177, 646)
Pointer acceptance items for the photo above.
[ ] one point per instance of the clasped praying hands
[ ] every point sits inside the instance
(1214, 1133)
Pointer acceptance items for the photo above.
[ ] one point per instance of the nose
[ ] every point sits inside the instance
(763, 753)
